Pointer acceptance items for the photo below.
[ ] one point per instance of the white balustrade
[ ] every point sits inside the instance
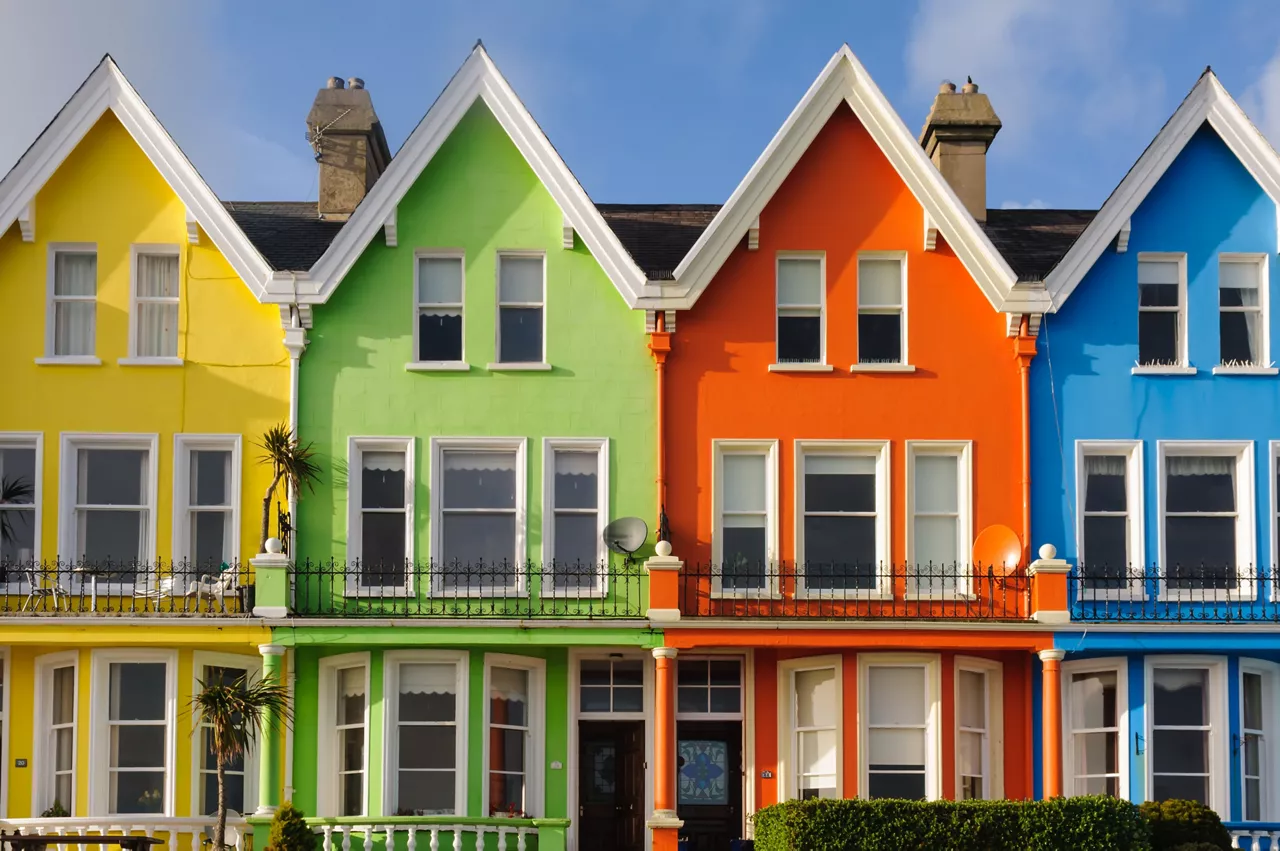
(447, 837)
(170, 829)
(1256, 840)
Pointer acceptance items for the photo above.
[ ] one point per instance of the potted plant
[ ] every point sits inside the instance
(291, 464)
(289, 831)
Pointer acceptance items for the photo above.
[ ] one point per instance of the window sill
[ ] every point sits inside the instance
(150, 361)
(438, 366)
(1246, 370)
(518, 367)
(74, 360)
(800, 367)
(882, 367)
(1163, 370)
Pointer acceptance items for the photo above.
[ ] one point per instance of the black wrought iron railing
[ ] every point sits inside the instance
(87, 588)
(1204, 593)
(470, 590)
(824, 590)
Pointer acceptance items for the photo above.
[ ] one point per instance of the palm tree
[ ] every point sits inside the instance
(291, 463)
(236, 713)
(12, 491)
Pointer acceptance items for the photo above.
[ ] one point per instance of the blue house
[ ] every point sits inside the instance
(1155, 436)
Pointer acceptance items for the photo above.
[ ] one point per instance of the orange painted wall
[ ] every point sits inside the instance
(843, 196)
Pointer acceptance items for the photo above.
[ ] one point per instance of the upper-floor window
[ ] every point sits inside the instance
(19, 498)
(1206, 525)
(801, 295)
(109, 519)
(206, 499)
(521, 297)
(1162, 305)
(155, 302)
(745, 534)
(844, 502)
(940, 516)
(574, 509)
(438, 331)
(1109, 488)
(73, 301)
(881, 309)
(477, 514)
(380, 510)
(1242, 324)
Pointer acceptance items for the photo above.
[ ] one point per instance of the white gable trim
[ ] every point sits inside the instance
(1208, 101)
(106, 88)
(477, 78)
(843, 80)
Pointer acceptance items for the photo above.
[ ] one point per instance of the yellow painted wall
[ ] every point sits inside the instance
(236, 373)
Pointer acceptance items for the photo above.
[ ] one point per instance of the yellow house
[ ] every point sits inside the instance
(139, 370)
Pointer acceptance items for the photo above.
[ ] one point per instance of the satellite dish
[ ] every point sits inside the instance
(998, 547)
(625, 535)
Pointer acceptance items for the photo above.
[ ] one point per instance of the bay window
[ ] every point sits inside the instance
(979, 729)
(426, 739)
(1095, 739)
(224, 670)
(1258, 703)
(343, 725)
(898, 729)
(513, 734)
(1187, 731)
(811, 735)
(55, 744)
(134, 739)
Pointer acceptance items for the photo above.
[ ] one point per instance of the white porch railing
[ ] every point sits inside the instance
(425, 837)
(1256, 837)
(182, 834)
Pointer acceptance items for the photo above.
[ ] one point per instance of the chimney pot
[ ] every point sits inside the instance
(947, 88)
(334, 83)
(970, 88)
(355, 83)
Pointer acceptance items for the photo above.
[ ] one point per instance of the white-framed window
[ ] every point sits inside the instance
(108, 500)
(709, 688)
(478, 488)
(1243, 335)
(426, 723)
(134, 742)
(842, 516)
(1162, 309)
(882, 307)
(802, 296)
(611, 686)
(744, 542)
(206, 500)
(899, 737)
(940, 516)
(241, 773)
(153, 316)
(1206, 517)
(1109, 505)
(575, 510)
(21, 461)
(1187, 730)
(810, 738)
(521, 307)
(979, 729)
(379, 512)
(56, 709)
(71, 332)
(1095, 744)
(1259, 698)
(438, 303)
(344, 735)
(514, 734)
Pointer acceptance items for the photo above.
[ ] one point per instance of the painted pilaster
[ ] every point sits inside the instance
(269, 752)
(664, 584)
(664, 822)
(1051, 683)
(271, 579)
(1049, 597)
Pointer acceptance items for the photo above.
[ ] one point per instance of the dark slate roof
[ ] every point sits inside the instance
(289, 234)
(658, 236)
(1033, 241)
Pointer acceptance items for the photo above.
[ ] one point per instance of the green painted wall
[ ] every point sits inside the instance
(479, 195)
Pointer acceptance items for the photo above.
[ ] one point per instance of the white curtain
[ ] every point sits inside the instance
(744, 482)
(416, 678)
(799, 282)
(1200, 465)
(840, 465)
(569, 463)
(816, 698)
(390, 461)
(351, 682)
(879, 282)
(511, 684)
(440, 280)
(158, 319)
(1244, 278)
(479, 460)
(896, 695)
(75, 287)
(520, 280)
(1101, 465)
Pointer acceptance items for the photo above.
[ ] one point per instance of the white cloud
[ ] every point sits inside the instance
(1261, 100)
(1033, 204)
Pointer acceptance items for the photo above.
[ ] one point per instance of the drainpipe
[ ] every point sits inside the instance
(660, 347)
(295, 342)
(1024, 348)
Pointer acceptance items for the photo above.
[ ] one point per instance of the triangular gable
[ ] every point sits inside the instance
(1207, 101)
(844, 79)
(477, 78)
(107, 88)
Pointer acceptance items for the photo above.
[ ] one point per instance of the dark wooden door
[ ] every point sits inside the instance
(709, 783)
(611, 785)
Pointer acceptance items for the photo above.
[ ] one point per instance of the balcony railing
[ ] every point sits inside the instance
(1254, 836)
(429, 833)
(180, 834)
(809, 590)
(1179, 594)
(473, 590)
(124, 588)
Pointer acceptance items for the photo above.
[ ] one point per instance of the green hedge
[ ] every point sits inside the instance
(1185, 826)
(1060, 824)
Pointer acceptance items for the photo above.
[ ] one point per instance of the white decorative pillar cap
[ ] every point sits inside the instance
(1052, 655)
(665, 652)
(271, 649)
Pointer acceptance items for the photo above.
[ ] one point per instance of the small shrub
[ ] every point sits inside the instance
(1185, 826)
(55, 811)
(289, 831)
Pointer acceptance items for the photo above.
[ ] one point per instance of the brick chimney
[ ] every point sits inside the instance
(349, 145)
(956, 136)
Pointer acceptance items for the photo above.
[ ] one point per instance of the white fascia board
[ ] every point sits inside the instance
(1207, 101)
(107, 88)
(845, 79)
(478, 78)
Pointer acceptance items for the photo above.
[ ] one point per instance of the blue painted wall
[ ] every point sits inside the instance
(1081, 384)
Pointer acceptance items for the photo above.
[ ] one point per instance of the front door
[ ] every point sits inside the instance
(709, 783)
(611, 785)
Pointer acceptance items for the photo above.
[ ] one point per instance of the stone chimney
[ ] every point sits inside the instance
(349, 145)
(956, 136)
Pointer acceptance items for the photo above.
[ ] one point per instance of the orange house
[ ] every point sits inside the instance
(844, 417)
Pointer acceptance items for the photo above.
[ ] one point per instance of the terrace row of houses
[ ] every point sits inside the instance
(938, 501)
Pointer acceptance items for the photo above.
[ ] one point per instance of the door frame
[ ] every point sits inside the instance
(576, 656)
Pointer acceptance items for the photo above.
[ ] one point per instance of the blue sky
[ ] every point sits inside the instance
(649, 101)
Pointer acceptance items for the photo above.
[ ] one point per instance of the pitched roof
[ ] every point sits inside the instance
(1208, 102)
(657, 236)
(478, 78)
(107, 88)
(845, 80)
(289, 234)
(1033, 241)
